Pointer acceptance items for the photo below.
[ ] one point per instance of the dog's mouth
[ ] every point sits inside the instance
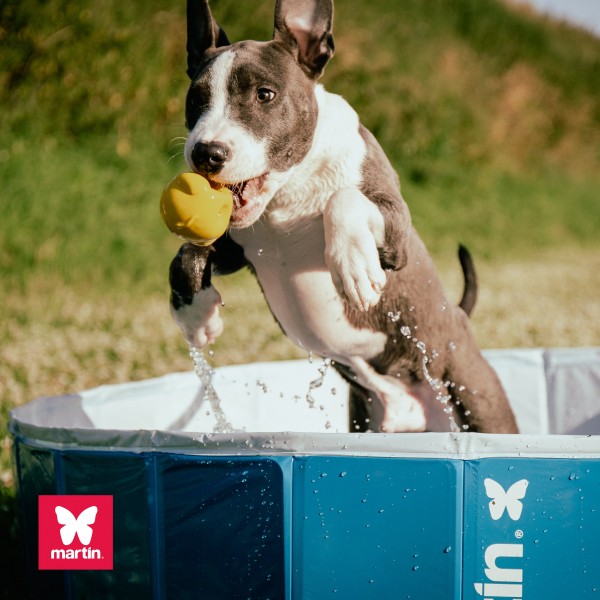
(246, 191)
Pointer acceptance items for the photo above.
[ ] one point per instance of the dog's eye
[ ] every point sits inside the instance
(264, 95)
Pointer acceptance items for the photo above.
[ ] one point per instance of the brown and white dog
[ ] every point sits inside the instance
(319, 218)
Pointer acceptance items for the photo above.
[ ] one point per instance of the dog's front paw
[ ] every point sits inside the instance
(356, 272)
(353, 228)
(200, 321)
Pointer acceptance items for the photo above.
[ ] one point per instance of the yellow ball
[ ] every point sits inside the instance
(194, 210)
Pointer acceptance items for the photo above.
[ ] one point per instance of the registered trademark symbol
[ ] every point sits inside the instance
(518, 534)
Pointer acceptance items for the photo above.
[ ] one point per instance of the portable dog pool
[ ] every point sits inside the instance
(325, 514)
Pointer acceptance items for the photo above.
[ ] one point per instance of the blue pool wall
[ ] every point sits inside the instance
(323, 515)
(360, 525)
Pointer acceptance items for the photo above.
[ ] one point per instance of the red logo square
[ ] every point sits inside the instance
(75, 532)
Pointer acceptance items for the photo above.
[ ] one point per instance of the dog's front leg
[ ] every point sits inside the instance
(354, 230)
(194, 301)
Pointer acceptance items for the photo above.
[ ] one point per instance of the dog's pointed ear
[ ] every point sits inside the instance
(203, 32)
(307, 26)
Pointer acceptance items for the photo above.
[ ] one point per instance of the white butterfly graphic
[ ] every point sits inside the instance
(509, 499)
(79, 525)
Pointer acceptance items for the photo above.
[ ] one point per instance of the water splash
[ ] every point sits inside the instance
(440, 389)
(205, 373)
(318, 382)
(443, 398)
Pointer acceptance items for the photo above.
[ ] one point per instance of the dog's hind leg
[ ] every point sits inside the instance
(479, 399)
(388, 403)
(384, 403)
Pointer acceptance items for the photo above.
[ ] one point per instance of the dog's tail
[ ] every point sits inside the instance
(469, 297)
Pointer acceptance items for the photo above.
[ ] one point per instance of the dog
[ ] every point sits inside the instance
(319, 218)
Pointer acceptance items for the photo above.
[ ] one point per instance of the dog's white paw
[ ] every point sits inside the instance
(200, 321)
(394, 406)
(356, 272)
(404, 415)
(353, 228)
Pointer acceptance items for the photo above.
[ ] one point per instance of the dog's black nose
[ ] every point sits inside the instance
(209, 158)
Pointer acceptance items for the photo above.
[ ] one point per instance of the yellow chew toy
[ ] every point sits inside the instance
(195, 211)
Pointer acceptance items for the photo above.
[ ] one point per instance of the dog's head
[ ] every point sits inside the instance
(251, 109)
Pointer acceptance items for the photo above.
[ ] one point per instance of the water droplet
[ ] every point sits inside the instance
(447, 549)
(343, 474)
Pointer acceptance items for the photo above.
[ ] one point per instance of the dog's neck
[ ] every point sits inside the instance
(333, 162)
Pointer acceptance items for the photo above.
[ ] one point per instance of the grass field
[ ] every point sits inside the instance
(490, 115)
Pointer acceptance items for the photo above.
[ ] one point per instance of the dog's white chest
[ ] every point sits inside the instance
(291, 270)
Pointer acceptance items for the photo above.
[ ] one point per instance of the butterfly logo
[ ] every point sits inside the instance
(509, 500)
(79, 526)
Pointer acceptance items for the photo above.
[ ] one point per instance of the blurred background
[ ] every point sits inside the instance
(489, 110)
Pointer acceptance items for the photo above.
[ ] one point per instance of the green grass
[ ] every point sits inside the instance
(490, 115)
(84, 213)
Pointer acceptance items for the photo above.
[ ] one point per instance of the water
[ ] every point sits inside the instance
(205, 373)
(317, 383)
(440, 389)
